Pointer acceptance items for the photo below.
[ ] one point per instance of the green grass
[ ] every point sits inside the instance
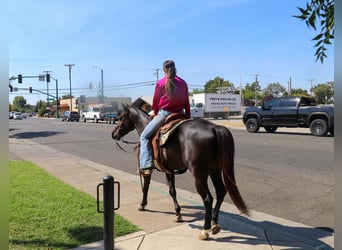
(46, 213)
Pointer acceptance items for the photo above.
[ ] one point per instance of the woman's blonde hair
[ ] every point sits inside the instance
(170, 71)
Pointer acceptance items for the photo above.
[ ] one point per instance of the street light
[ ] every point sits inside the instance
(70, 66)
(101, 99)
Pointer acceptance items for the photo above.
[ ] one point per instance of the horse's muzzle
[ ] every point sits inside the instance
(115, 136)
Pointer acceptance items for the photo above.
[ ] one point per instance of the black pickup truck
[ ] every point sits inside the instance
(290, 111)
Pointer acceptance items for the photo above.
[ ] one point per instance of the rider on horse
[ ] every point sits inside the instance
(170, 96)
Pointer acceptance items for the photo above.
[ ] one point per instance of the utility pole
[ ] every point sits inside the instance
(255, 89)
(290, 86)
(156, 73)
(101, 97)
(70, 66)
(47, 87)
(310, 80)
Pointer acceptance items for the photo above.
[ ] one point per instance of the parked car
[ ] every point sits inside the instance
(11, 114)
(17, 116)
(23, 115)
(71, 116)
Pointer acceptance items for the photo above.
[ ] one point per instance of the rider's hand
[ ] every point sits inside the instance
(151, 113)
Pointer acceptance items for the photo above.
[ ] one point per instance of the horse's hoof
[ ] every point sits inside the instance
(178, 218)
(204, 235)
(141, 208)
(215, 228)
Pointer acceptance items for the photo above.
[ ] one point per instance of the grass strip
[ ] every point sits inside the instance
(46, 213)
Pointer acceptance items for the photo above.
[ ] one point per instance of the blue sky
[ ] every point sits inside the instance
(129, 40)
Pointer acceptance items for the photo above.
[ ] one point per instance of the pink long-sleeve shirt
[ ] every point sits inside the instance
(177, 103)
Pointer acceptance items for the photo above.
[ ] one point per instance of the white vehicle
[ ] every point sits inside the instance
(205, 105)
(17, 116)
(98, 112)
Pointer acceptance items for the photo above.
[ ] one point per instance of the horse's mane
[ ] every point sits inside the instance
(142, 105)
(139, 103)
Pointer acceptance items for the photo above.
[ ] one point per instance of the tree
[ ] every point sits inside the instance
(324, 93)
(19, 103)
(299, 92)
(323, 11)
(64, 97)
(275, 89)
(40, 108)
(252, 92)
(218, 85)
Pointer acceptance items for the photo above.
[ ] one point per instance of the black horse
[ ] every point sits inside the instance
(200, 146)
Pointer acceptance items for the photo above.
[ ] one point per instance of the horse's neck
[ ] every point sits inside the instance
(141, 119)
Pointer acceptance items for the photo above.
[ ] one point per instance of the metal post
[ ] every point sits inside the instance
(70, 66)
(47, 87)
(108, 215)
(108, 210)
(57, 111)
(102, 97)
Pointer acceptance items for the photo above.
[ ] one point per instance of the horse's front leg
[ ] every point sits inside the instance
(146, 185)
(170, 178)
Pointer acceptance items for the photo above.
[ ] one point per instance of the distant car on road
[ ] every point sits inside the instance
(17, 116)
(24, 115)
(71, 116)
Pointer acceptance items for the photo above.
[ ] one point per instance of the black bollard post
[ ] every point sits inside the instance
(108, 209)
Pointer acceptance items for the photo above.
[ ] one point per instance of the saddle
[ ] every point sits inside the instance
(160, 138)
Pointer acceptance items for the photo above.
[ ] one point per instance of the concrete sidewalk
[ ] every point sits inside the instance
(260, 231)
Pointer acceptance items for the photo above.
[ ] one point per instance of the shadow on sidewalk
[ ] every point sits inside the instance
(249, 232)
(275, 233)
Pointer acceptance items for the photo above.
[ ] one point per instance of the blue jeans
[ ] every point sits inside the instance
(146, 153)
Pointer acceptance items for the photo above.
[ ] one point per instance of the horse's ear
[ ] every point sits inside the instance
(125, 107)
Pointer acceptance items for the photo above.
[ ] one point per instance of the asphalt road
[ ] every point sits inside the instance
(286, 174)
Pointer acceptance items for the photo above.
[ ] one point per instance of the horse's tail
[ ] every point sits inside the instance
(226, 153)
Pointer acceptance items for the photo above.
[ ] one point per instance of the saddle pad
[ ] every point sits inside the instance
(164, 136)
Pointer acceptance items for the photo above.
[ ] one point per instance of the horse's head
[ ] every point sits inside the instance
(125, 124)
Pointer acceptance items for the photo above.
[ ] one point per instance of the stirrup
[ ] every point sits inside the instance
(146, 172)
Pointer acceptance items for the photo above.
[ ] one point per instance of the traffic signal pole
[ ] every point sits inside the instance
(48, 76)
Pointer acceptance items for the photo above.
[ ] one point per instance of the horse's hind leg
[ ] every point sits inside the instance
(220, 194)
(170, 178)
(204, 192)
(146, 185)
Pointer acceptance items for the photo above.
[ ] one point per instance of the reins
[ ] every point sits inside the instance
(128, 143)
(130, 152)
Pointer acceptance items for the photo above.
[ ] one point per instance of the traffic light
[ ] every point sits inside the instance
(20, 78)
(30, 89)
(47, 77)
